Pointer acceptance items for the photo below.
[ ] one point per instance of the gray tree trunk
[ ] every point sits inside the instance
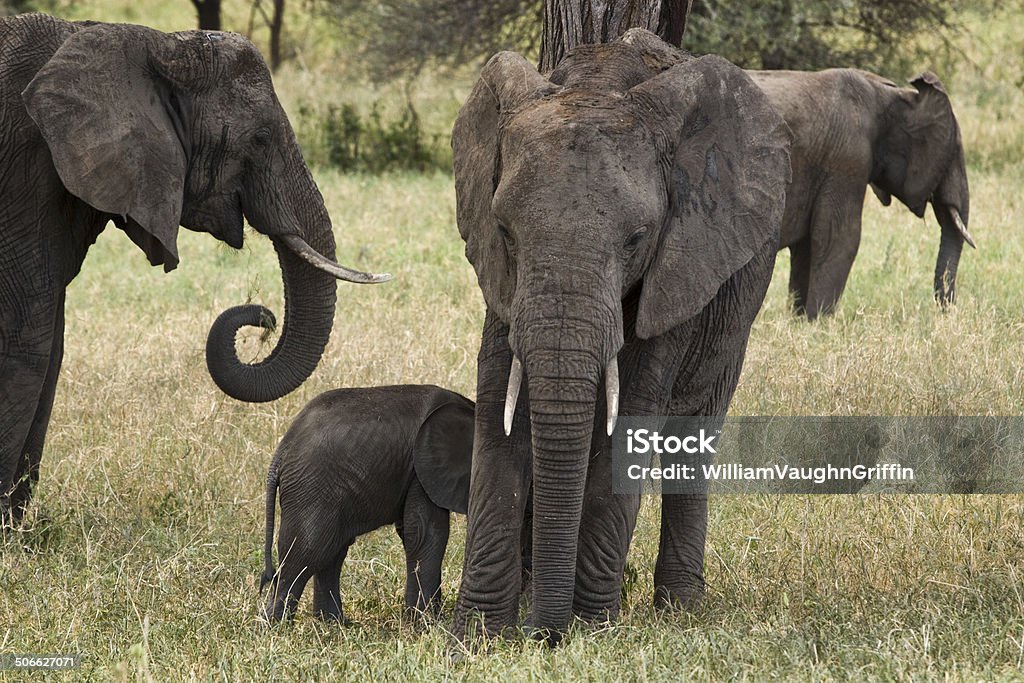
(568, 23)
(209, 14)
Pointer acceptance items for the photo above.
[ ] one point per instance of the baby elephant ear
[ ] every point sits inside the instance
(443, 454)
(727, 184)
(506, 82)
(103, 110)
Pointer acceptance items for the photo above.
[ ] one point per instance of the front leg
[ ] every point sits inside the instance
(704, 386)
(499, 484)
(29, 367)
(834, 241)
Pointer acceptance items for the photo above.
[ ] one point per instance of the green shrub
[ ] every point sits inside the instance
(342, 138)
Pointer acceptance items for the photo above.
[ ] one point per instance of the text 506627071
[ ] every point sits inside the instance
(37, 661)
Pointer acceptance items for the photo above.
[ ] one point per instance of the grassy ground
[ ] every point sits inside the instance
(145, 541)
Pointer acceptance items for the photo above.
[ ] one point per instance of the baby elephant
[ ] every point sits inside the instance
(353, 461)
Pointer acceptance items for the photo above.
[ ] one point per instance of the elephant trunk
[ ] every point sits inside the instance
(310, 298)
(566, 358)
(285, 203)
(951, 204)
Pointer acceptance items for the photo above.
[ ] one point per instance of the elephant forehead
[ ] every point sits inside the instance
(225, 55)
(590, 150)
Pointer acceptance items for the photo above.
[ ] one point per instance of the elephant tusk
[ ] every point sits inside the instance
(959, 222)
(318, 260)
(611, 388)
(515, 379)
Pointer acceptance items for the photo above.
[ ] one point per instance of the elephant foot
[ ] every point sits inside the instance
(549, 636)
(333, 617)
(685, 597)
(597, 610)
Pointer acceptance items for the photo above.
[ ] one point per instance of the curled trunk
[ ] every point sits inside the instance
(309, 291)
(310, 298)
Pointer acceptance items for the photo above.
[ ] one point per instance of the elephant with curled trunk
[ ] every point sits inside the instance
(852, 128)
(111, 122)
(623, 226)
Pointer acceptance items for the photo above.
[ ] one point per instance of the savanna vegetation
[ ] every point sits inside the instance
(143, 547)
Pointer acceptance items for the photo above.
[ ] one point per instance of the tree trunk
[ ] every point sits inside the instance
(276, 24)
(209, 14)
(568, 23)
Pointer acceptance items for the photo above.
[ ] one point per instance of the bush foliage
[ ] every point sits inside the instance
(890, 36)
(339, 136)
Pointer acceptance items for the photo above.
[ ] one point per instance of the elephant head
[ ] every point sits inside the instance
(602, 183)
(919, 158)
(160, 130)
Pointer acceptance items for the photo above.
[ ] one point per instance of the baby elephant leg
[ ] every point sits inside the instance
(285, 590)
(424, 533)
(326, 594)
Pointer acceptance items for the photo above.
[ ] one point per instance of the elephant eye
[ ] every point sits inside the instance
(262, 137)
(635, 238)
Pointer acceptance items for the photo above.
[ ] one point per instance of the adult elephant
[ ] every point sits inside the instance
(853, 128)
(150, 130)
(623, 226)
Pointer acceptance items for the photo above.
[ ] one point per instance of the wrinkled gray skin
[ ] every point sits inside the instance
(623, 226)
(851, 128)
(353, 461)
(105, 122)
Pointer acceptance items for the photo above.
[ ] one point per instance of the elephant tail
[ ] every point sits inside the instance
(268, 543)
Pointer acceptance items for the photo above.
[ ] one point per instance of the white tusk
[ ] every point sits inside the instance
(611, 389)
(515, 379)
(959, 222)
(318, 260)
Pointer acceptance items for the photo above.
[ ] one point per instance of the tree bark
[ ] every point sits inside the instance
(209, 14)
(568, 23)
(276, 24)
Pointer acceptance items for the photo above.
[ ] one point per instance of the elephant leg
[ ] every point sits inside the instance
(29, 366)
(285, 591)
(799, 274)
(308, 544)
(327, 591)
(704, 386)
(606, 531)
(28, 467)
(424, 533)
(835, 239)
(499, 485)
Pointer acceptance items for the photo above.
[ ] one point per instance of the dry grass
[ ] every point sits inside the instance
(144, 544)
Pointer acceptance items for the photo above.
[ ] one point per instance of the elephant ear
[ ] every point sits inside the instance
(729, 167)
(934, 139)
(506, 82)
(443, 453)
(103, 110)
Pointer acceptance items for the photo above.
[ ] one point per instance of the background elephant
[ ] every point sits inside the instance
(623, 226)
(352, 461)
(151, 130)
(851, 128)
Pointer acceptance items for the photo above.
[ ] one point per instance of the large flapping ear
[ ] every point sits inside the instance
(506, 82)
(102, 108)
(729, 153)
(444, 452)
(934, 138)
